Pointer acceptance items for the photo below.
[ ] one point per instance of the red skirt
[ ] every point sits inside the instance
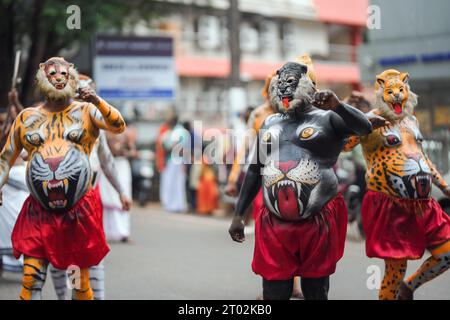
(258, 203)
(399, 228)
(309, 248)
(99, 197)
(73, 237)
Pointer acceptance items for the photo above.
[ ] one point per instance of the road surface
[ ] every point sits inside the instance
(182, 256)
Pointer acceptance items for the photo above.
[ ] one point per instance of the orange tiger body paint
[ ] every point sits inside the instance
(58, 145)
(58, 136)
(396, 163)
(400, 218)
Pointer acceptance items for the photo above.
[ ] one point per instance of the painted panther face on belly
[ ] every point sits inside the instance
(287, 186)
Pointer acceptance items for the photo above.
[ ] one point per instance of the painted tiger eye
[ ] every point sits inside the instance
(73, 135)
(306, 133)
(35, 138)
(266, 137)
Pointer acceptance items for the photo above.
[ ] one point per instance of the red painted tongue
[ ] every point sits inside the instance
(285, 102)
(398, 108)
(56, 195)
(422, 187)
(288, 203)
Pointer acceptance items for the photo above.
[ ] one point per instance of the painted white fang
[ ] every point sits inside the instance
(271, 174)
(268, 203)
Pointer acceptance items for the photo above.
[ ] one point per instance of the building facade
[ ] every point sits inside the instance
(271, 33)
(419, 45)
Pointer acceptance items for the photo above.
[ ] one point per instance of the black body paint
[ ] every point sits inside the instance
(293, 161)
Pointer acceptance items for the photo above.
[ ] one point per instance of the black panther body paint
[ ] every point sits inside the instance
(297, 175)
(293, 162)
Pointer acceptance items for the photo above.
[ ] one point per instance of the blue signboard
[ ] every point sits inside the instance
(135, 68)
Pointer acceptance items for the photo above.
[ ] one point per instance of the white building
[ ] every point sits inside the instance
(271, 33)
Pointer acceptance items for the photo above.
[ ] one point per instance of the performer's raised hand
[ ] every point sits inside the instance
(88, 95)
(126, 202)
(231, 189)
(355, 98)
(377, 121)
(446, 191)
(237, 229)
(326, 100)
(13, 98)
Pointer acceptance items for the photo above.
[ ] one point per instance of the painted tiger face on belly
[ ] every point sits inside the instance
(59, 182)
(59, 145)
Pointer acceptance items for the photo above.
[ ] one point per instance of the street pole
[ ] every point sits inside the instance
(234, 19)
(236, 93)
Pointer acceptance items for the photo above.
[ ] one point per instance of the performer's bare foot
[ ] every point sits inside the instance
(297, 294)
(404, 293)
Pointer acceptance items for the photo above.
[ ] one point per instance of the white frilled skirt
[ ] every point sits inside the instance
(15, 192)
(116, 222)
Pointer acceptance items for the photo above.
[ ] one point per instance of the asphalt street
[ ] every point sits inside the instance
(182, 256)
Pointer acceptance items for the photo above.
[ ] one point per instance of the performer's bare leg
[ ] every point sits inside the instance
(438, 263)
(277, 289)
(96, 280)
(394, 272)
(315, 288)
(34, 275)
(84, 292)
(297, 291)
(59, 279)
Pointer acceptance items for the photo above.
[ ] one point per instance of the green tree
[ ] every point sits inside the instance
(39, 29)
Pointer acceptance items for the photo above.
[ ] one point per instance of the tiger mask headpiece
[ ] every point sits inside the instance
(57, 79)
(291, 89)
(394, 99)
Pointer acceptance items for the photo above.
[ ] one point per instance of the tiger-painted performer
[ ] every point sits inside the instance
(400, 218)
(301, 229)
(102, 163)
(60, 222)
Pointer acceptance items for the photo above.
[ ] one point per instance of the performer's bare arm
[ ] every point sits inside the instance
(107, 163)
(437, 178)
(104, 116)
(15, 103)
(376, 121)
(346, 120)
(109, 169)
(236, 169)
(9, 154)
(250, 187)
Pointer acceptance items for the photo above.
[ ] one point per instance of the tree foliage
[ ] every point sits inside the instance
(39, 28)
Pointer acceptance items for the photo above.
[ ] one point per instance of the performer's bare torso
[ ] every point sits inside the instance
(297, 170)
(59, 144)
(297, 149)
(397, 164)
(59, 135)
